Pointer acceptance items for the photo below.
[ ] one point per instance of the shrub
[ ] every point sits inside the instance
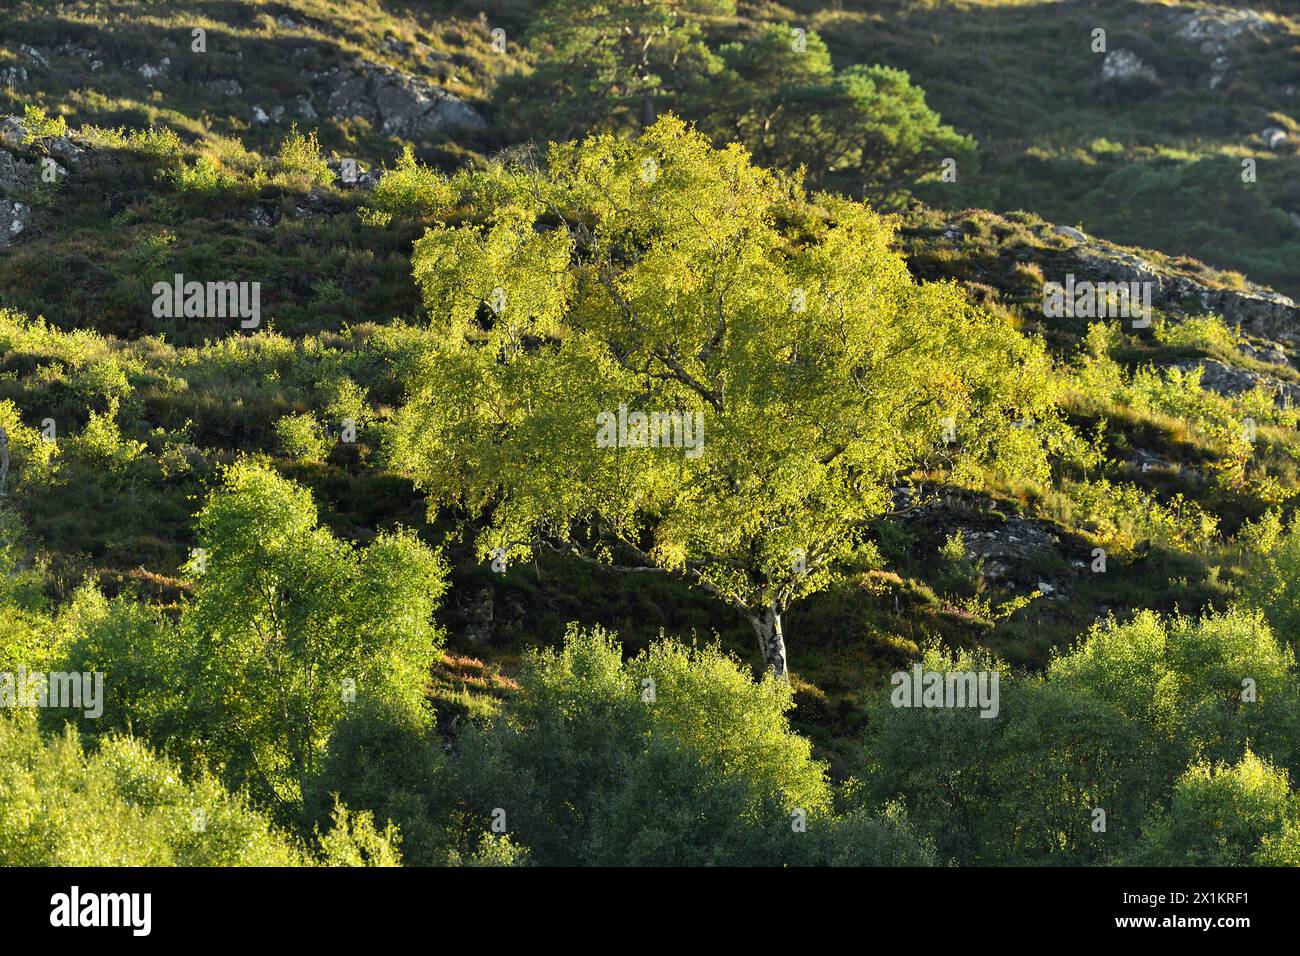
(1185, 681)
(1239, 815)
(408, 190)
(38, 125)
(300, 437)
(598, 760)
(389, 763)
(1271, 581)
(1205, 333)
(120, 805)
(353, 840)
(301, 161)
(205, 176)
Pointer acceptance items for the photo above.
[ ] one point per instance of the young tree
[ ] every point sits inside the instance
(1272, 581)
(609, 66)
(289, 626)
(615, 67)
(865, 129)
(120, 805)
(657, 355)
(1240, 815)
(1200, 688)
(677, 756)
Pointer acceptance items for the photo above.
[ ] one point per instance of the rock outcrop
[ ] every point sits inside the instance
(1005, 550)
(1254, 309)
(1125, 66)
(15, 217)
(1217, 29)
(1218, 32)
(21, 168)
(398, 103)
(1233, 380)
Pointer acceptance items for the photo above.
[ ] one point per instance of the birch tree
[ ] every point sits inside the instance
(658, 356)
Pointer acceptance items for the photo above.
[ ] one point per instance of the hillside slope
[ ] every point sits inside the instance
(150, 406)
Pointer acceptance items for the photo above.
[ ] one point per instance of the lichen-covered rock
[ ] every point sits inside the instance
(1216, 29)
(1269, 352)
(13, 134)
(1256, 310)
(1069, 232)
(1274, 137)
(1125, 66)
(1231, 380)
(225, 87)
(351, 174)
(400, 104)
(152, 71)
(16, 175)
(1004, 548)
(15, 217)
(21, 165)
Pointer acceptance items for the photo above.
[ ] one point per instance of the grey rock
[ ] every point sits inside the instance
(20, 163)
(1229, 380)
(1069, 232)
(1274, 137)
(1269, 352)
(402, 105)
(1124, 66)
(1216, 29)
(319, 203)
(16, 176)
(1001, 549)
(349, 96)
(1219, 70)
(33, 55)
(13, 134)
(66, 151)
(358, 178)
(70, 48)
(260, 215)
(15, 217)
(225, 87)
(479, 617)
(151, 72)
(1258, 311)
(1145, 460)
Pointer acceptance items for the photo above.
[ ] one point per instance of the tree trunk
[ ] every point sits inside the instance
(648, 111)
(771, 642)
